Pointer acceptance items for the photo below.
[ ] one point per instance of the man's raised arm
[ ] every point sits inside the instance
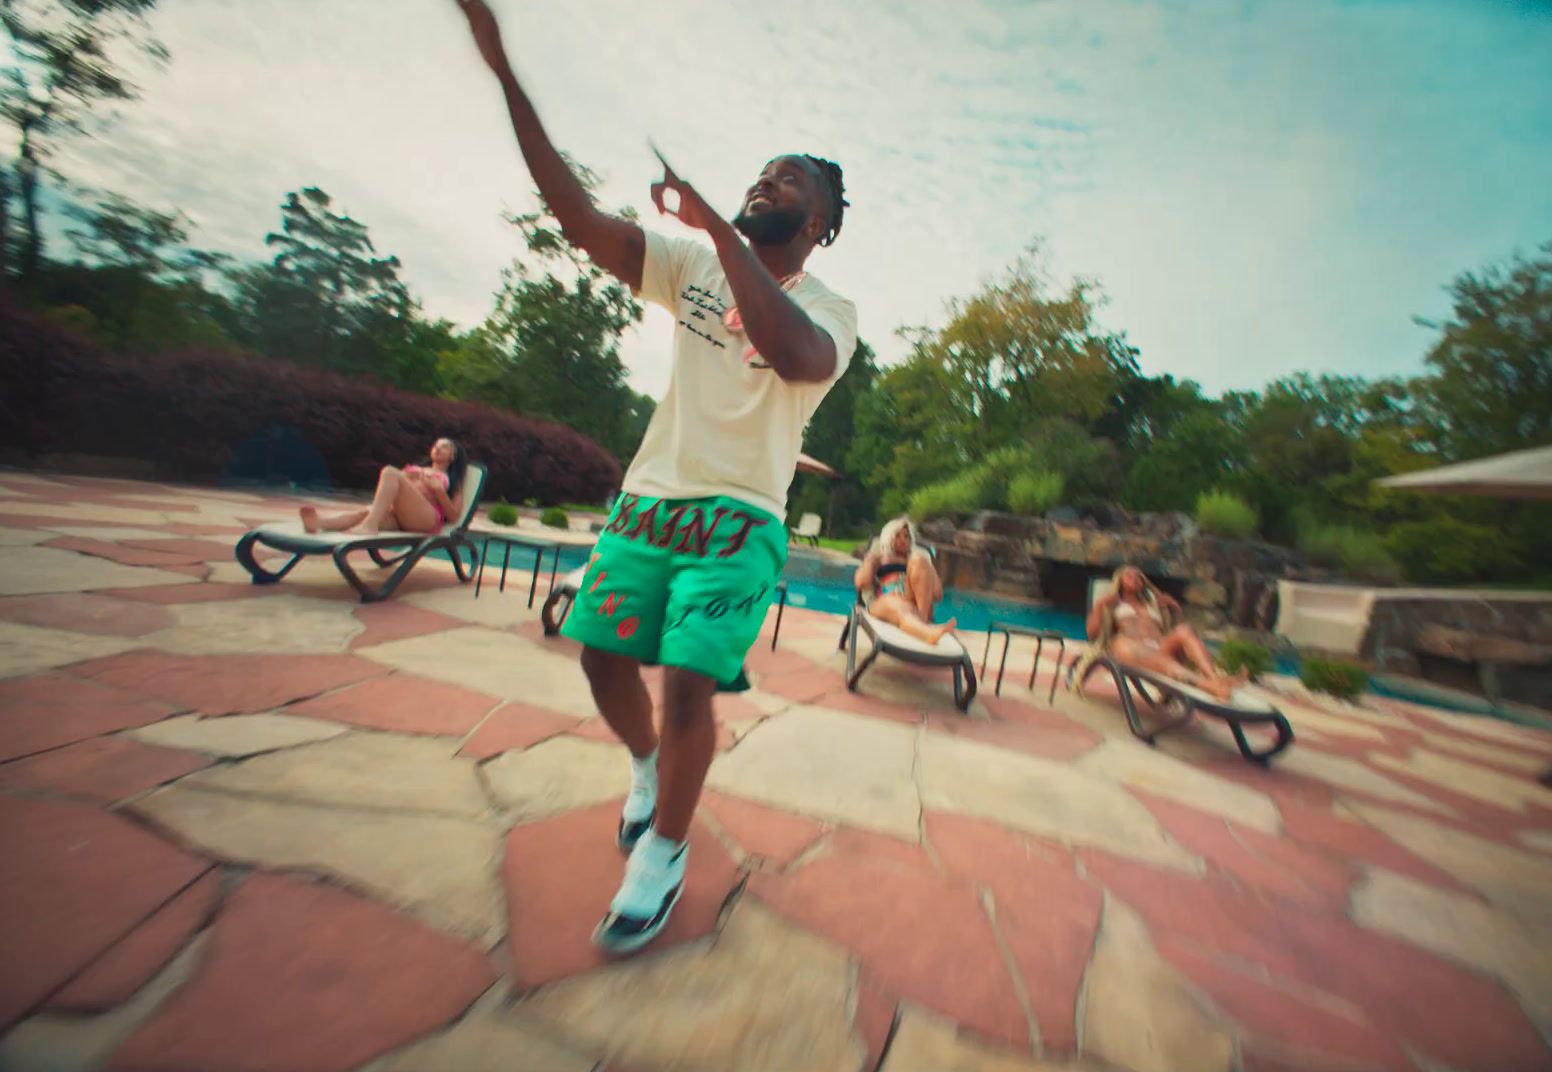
(616, 245)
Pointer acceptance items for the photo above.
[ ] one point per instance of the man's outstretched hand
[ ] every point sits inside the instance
(692, 211)
(487, 35)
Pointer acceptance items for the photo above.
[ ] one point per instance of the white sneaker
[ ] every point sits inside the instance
(654, 879)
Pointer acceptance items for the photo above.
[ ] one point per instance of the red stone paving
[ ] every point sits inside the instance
(227, 684)
(1059, 745)
(402, 703)
(534, 631)
(553, 909)
(1266, 1010)
(49, 710)
(773, 835)
(188, 547)
(1257, 859)
(114, 977)
(840, 698)
(124, 556)
(1046, 914)
(515, 726)
(875, 1016)
(209, 592)
(86, 612)
(799, 686)
(1472, 1023)
(301, 977)
(869, 905)
(762, 663)
(75, 881)
(39, 521)
(104, 769)
(184, 528)
(391, 621)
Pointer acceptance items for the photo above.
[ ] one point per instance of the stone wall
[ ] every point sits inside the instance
(1498, 644)
(1220, 582)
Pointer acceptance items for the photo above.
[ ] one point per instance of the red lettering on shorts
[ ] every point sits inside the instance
(611, 604)
(697, 531)
(627, 628)
(597, 581)
(646, 521)
(735, 542)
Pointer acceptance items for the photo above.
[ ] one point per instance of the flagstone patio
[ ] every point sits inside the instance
(271, 828)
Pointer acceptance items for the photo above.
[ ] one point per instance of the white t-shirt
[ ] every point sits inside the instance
(728, 424)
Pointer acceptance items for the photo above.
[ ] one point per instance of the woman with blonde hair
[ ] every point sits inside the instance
(900, 583)
(1141, 626)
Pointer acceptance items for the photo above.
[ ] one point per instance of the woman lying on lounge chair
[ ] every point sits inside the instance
(417, 498)
(1140, 626)
(902, 583)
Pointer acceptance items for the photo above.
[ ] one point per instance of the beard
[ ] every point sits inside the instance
(774, 227)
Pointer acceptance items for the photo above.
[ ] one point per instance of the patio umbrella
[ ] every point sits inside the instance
(1520, 474)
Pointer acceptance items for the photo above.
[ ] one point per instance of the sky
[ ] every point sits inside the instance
(1258, 186)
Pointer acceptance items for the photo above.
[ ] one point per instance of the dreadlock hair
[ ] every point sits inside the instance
(830, 172)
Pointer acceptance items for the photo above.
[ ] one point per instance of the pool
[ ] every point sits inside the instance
(816, 582)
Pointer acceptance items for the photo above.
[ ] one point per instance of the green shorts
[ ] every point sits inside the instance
(681, 582)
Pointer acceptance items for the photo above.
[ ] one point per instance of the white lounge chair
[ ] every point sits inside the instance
(892, 640)
(405, 549)
(809, 526)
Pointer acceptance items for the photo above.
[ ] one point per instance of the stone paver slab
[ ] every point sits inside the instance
(1138, 1011)
(765, 997)
(832, 766)
(924, 1043)
(287, 625)
(85, 612)
(103, 769)
(1040, 797)
(513, 727)
(189, 547)
(553, 909)
(1345, 839)
(1046, 915)
(117, 552)
(494, 609)
(1343, 773)
(75, 881)
(501, 664)
(393, 620)
(558, 775)
(358, 770)
(493, 1043)
(1467, 778)
(227, 684)
(1464, 930)
(1475, 727)
(952, 962)
(22, 537)
(50, 710)
(772, 835)
(1503, 757)
(129, 965)
(1135, 764)
(74, 512)
(236, 735)
(205, 592)
(402, 703)
(27, 649)
(1540, 840)
(303, 978)
(439, 867)
(1520, 882)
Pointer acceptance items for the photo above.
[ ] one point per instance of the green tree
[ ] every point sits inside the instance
(62, 66)
(551, 347)
(117, 232)
(829, 438)
(1491, 383)
(907, 435)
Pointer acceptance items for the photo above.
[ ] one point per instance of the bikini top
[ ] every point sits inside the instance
(434, 471)
(888, 569)
(1126, 610)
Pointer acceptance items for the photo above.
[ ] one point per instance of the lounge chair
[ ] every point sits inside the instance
(808, 529)
(1179, 702)
(892, 640)
(558, 603)
(404, 549)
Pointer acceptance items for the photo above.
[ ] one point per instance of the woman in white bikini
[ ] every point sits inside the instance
(903, 584)
(416, 498)
(1140, 626)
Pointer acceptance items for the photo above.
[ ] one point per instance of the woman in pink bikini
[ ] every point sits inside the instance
(417, 498)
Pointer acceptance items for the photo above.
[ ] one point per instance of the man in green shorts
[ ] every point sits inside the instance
(685, 568)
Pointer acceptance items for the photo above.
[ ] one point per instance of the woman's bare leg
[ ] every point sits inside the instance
(1182, 640)
(400, 503)
(1155, 661)
(900, 612)
(312, 522)
(922, 586)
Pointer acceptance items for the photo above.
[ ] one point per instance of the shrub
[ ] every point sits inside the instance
(1035, 493)
(554, 517)
(1237, 653)
(190, 414)
(1337, 677)
(1447, 551)
(957, 495)
(503, 513)
(1354, 551)
(1223, 513)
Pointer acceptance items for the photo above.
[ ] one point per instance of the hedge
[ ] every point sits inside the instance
(205, 416)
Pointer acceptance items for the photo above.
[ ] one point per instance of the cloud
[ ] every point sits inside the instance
(1259, 188)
